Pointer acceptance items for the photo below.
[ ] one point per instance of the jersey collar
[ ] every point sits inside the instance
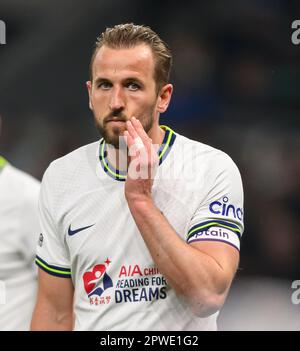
(163, 151)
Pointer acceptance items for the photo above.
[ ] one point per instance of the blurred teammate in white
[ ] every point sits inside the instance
(121, 251)
(19, 234)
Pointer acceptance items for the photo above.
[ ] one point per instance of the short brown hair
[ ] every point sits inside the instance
(129, 35)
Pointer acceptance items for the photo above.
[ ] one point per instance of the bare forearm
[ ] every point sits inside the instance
(190, 272)
(201, 272)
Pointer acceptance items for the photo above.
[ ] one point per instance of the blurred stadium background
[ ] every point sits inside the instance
(237, 87)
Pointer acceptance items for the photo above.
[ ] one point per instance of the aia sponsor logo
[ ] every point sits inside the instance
(133, 283)
(96, 281)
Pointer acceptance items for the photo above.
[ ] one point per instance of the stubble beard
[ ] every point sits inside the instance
(112, 135)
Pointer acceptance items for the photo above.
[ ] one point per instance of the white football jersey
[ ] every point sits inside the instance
(90, 236)
(19, 233)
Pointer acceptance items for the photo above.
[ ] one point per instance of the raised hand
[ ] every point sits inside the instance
(143, 162)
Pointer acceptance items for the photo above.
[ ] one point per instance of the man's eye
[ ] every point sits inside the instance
(133, 86)
(104, 85)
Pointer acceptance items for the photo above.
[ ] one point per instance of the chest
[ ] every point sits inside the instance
(99, 227)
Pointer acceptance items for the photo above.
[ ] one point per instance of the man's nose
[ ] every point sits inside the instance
(117, 99)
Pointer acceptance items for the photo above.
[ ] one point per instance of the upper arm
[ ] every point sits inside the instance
(57, 292)
(54, 306)
(226, 258)
(218, 218)
(217, 226)
(52, 250)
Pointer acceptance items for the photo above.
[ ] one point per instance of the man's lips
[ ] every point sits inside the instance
(116, 123)
(116, 119)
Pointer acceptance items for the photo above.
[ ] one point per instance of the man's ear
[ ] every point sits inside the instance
(89, 88)
(164, 98)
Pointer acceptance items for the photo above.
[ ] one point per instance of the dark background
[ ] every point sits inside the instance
(237, 80)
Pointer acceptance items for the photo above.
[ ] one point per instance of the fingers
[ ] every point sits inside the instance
(141, 149)
(128, 139)
(131, 129)
(140, 130)
(138, 133)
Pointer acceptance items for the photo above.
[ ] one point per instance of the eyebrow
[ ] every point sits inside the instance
(101, 80)
(126, 80)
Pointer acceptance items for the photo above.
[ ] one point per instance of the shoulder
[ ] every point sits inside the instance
(206, 160)
(68, 166)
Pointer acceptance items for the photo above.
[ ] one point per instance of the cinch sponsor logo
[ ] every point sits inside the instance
(215, 233)
(2, 32)
(226, 209)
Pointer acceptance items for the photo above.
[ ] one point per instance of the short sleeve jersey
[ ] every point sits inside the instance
(89, 235)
